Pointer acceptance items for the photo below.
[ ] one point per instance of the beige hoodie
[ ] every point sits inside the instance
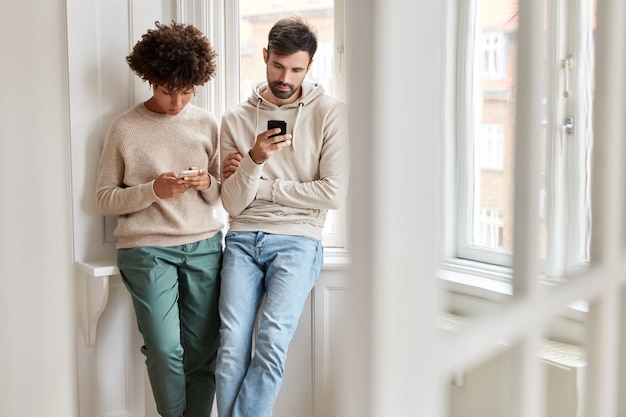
(292, 191)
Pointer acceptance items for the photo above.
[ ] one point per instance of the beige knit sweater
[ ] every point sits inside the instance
(140, 146)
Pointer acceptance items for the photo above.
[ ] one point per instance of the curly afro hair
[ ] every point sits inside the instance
(178, 56)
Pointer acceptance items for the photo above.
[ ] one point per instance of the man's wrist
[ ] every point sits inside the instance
(252, 157)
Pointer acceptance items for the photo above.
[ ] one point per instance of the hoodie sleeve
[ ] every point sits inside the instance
(238, 190)
(212, 194)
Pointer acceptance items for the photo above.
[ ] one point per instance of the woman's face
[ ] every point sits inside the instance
(168, 101)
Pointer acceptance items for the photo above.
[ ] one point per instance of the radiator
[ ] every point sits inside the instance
(482, 390)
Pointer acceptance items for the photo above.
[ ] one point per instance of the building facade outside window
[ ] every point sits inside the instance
(484, 141)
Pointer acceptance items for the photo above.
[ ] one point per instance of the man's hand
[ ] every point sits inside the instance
(231, 164)
(265, 146)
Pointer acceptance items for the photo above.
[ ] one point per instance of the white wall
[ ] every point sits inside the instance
(37, 354)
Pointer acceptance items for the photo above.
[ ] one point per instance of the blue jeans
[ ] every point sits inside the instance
(175, 293)
(284, 269)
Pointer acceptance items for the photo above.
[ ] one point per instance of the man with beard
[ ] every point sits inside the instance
(277, 188)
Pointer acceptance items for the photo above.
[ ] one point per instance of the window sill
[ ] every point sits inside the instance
(93, 287)
(485, 281)
(472, 286)
(336, 259)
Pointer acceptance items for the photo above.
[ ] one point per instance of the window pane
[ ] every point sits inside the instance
(487, 105)
(494, 121)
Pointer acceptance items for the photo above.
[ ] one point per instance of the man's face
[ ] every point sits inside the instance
(285, 74)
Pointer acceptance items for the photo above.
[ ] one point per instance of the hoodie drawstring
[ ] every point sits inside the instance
(258, 115)
(295, 126)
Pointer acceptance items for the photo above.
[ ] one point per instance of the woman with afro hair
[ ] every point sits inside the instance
(158, 174)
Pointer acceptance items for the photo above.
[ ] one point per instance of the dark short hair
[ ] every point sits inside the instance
(177, 56)
(289, 36)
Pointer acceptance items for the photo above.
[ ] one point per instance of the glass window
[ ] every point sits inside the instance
(485, 140)
(490, 149)
(493, 51)
(490, 228)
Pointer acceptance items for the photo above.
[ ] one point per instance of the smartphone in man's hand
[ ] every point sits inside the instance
(273, 124)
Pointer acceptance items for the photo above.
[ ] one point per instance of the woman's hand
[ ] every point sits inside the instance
(168, 185)
(231, 164)
(200, 182)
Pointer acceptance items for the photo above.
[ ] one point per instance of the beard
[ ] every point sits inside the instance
(281, 94)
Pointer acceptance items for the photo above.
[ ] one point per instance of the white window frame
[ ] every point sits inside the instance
(490, 152)
(489, 229)
(566, 200)
(494, 52)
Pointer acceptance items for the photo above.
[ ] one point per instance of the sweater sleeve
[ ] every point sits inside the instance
(112, 197)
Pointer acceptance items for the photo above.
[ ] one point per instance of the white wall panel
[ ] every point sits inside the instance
(100, 36)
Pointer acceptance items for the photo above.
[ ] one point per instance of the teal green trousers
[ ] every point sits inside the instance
(175, 293)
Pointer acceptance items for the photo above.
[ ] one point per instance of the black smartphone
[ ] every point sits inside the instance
(273, 124)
